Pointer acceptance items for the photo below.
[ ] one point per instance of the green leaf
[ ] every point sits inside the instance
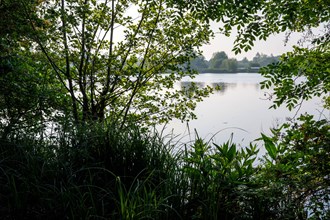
(270, 146)
(231, 152)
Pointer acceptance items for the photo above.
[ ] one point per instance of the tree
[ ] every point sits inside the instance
(311, 65)
(111, 63)
(298, 171)
(15, 18)
(258, 20)
(254, 64)
(29, 95)
(217, 59)
(199, 63)
(264, 60)
(229, 65)
(92, 60)
(298, 165)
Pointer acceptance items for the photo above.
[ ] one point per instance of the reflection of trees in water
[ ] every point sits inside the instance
(223, 87)
(187, 84)
(191, 87)
(219, 87)
(256, 86)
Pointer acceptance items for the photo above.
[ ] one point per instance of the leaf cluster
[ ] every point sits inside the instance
(220, 177)
(298, 164)
(300, 75)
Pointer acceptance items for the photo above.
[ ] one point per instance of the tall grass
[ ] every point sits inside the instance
(103, 172)
(90, 172)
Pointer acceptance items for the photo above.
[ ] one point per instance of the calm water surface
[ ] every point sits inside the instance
(240, 108)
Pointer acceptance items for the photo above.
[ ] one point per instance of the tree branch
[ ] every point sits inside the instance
(67, 62)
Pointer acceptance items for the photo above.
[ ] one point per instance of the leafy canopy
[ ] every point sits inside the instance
(119, 59)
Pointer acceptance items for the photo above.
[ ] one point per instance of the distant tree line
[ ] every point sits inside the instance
(221, 63)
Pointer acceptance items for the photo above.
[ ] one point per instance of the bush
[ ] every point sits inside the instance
(96, 171)
(297, 168)
(101, 171)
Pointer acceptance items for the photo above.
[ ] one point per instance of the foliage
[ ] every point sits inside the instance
(221, 63)
(299, 76)
(223, 182)
(15, 19)
(217, 59)
(125, 174)
(199, 63)
(111, 173)
(79, 78)
(101, 171)
(220, 178)
(29, 95)
(264, 60)
(111, 64)
(229, 64)
(259, 19)
(297, 164)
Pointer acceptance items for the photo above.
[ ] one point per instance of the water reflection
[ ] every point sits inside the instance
(240, 107)
(218, 87)
(189, 84)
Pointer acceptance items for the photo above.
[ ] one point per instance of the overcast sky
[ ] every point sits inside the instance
(273, 45)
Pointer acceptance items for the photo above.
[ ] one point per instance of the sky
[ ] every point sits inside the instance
(273, 45)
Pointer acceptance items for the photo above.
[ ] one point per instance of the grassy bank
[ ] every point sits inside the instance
(102, 172)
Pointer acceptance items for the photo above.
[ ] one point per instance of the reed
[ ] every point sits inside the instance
(103, 172)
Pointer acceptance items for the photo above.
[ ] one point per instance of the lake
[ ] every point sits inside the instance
(239, 108)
